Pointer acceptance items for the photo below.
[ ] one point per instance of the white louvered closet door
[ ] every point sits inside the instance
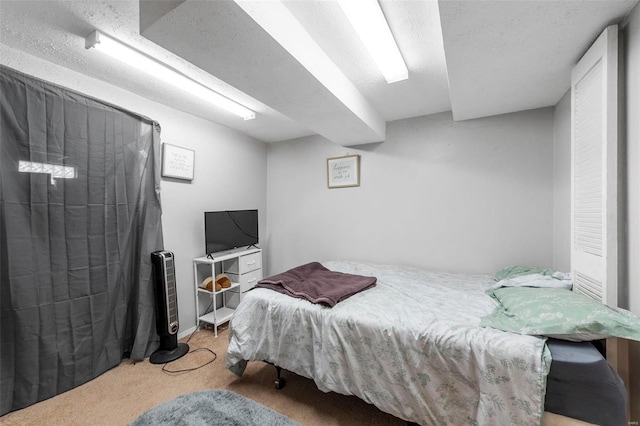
(594, 171)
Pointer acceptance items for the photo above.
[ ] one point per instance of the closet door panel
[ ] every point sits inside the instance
(594, 171)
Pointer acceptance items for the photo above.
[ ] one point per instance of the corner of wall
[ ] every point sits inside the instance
(562, 183)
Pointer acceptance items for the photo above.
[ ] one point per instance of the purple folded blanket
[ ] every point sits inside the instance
(317, 284)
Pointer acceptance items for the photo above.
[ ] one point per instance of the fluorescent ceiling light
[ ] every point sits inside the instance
(368, 20)
(145, 63)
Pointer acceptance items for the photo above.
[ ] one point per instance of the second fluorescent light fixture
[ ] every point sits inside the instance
(369, 22)
(143, 62)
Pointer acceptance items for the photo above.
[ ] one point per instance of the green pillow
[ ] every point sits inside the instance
(517, 271)
(559, 313)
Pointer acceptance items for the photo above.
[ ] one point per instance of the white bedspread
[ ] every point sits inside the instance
(411, 346)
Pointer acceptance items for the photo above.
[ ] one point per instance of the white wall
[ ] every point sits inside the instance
(230, 174)
(632, 97)
(470, 196)
(562, 184)
(632, 92)
(230, 169)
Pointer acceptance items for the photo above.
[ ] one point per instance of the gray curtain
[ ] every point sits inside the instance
(79, 218)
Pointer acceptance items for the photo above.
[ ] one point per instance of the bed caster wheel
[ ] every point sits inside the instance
(280, 383)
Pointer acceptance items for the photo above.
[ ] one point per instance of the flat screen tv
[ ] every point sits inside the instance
(230, 229)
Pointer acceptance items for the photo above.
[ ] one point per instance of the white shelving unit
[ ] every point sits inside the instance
(244, 269)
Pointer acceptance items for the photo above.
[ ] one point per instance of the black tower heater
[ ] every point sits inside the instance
(166, 309)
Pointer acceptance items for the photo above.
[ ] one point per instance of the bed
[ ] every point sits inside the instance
(412, 345)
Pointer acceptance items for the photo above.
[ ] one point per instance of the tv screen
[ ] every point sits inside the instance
(227, 230)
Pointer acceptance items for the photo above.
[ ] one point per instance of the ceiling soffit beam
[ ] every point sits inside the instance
(158, 69)
(222, 39)
(152, 10)
(279, 22)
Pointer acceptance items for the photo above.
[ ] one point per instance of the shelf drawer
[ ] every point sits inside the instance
(246, 263)
(247, 281)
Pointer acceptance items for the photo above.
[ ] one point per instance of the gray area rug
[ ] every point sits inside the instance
(214, 407)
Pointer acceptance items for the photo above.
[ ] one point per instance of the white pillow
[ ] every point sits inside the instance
(557, 280)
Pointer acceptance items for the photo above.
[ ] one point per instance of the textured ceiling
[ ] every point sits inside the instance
(476, 58)
(55, 31)
(517, 55)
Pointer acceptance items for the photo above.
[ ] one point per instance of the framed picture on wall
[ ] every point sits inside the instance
(343, 172)
(177, 162)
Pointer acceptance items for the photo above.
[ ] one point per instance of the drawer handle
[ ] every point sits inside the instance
(251, 280)
(251, 263)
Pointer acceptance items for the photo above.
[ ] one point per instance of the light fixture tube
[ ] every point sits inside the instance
(145, 63)
(369, 22)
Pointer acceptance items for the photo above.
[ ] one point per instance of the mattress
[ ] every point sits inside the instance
(411, 345)
(582, 385)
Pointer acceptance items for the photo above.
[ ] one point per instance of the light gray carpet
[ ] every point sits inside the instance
(214, 407)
